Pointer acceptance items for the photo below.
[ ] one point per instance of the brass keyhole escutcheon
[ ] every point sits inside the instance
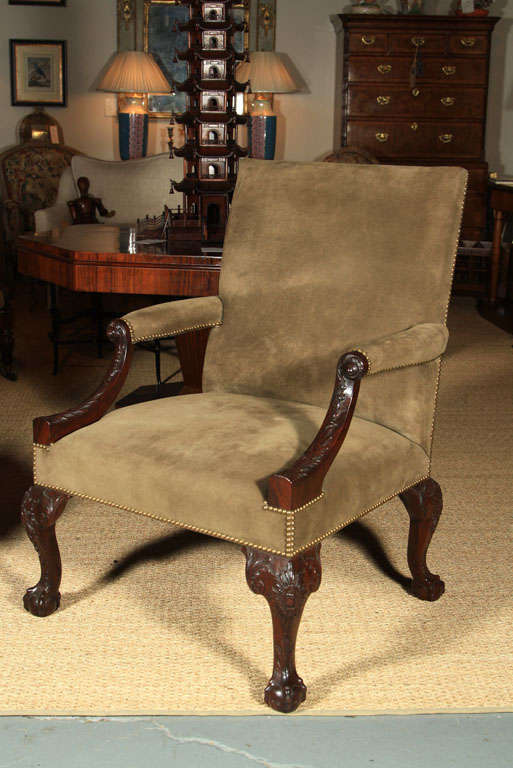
(382, 100)
(446, 138)
(448, 101)
(448, 70)
(382, 136)
(468, 42)
(368, 39)
(414, 126)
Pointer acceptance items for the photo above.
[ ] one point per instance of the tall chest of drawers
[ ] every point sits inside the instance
(436, 118)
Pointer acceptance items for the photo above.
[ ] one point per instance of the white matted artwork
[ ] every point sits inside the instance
(38, 72)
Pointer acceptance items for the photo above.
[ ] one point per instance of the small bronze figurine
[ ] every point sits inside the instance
(83, 209)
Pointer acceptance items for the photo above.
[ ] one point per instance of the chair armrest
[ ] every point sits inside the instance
(413, 346)
(174, 317)
(49, 429)
(302, 483)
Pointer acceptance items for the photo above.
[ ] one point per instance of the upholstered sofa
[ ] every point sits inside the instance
(133, 188)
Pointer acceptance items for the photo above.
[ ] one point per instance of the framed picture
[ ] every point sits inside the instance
(37, 2)
(162, 40)
(38, 73)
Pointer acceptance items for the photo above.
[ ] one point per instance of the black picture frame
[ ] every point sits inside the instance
(48, 3)
(20, 100)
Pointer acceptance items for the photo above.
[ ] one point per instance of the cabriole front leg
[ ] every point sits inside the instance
(286, 584)
(423, 503)
(41, 507)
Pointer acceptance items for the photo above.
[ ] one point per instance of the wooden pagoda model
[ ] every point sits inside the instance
(211, 153)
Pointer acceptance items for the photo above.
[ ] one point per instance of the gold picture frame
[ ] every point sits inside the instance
(38, 73)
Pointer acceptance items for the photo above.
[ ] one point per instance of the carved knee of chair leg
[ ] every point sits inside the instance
(286, 584)
(423, 503)
(41, 507)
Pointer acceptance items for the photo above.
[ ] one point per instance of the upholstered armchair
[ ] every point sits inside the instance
(351, 286)
(29, 180)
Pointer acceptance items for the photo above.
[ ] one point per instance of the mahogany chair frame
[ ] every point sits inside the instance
(286, 583)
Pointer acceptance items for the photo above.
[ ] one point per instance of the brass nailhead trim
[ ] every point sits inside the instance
(289, 517)
(352, 519)
(297, 509)
(168, 331)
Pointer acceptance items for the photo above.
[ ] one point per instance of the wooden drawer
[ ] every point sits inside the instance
(469, 44)
(367, 42)
(396, 69)
(387, 138)
(427, 42)
(430, 101)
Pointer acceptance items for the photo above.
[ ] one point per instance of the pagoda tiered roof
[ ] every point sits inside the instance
(190, 151)
(191, 85)
(196, 52)
(193, 186)
(194, 115)
(207, 26)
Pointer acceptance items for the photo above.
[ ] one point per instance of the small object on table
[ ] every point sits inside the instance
(83, 209)
(366, 6)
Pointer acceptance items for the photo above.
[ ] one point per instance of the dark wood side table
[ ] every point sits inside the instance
(100, 258)
(499, 310)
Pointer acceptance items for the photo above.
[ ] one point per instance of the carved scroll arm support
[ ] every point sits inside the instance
(49, 429)
(302, 482)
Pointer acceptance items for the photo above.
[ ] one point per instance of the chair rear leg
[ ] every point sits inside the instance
(286, 584)
(423, 503)
(40, 510)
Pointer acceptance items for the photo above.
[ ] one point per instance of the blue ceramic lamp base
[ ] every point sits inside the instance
(133, 135)
(262, 136)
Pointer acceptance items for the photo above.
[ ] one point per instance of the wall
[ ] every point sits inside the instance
(306, 34)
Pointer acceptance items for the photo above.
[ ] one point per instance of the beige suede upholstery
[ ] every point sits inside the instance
(365, 264)
(202, 461)
(174, 317)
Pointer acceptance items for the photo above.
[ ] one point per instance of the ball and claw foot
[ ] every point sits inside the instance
(285, 697)
(39, 602)
(429, 589)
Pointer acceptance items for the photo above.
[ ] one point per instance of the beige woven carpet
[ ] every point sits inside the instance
(158, 621)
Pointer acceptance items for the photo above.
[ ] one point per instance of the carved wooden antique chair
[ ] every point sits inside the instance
(349, 282)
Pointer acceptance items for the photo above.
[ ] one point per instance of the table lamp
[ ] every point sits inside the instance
(267, 74)
(134, 74)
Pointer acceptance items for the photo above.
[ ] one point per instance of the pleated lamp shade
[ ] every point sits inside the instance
(134, 72)
(267, 73)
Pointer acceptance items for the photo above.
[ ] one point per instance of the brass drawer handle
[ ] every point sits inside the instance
(418, 41)
(414, 126)
(382, 136)
(468, 42)
(447, 70)
(448, 101)
(415, 92)
(383, 100)
(446, 138)
(384, 69)
(368, 39)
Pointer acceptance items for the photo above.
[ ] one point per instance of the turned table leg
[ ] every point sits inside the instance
(496, 255)
(286, 584)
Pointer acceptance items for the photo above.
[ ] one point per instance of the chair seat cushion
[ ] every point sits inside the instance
(202, 462)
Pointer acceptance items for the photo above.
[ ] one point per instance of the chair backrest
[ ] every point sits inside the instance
(133, 188)
(30, 175)
(321, 257)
